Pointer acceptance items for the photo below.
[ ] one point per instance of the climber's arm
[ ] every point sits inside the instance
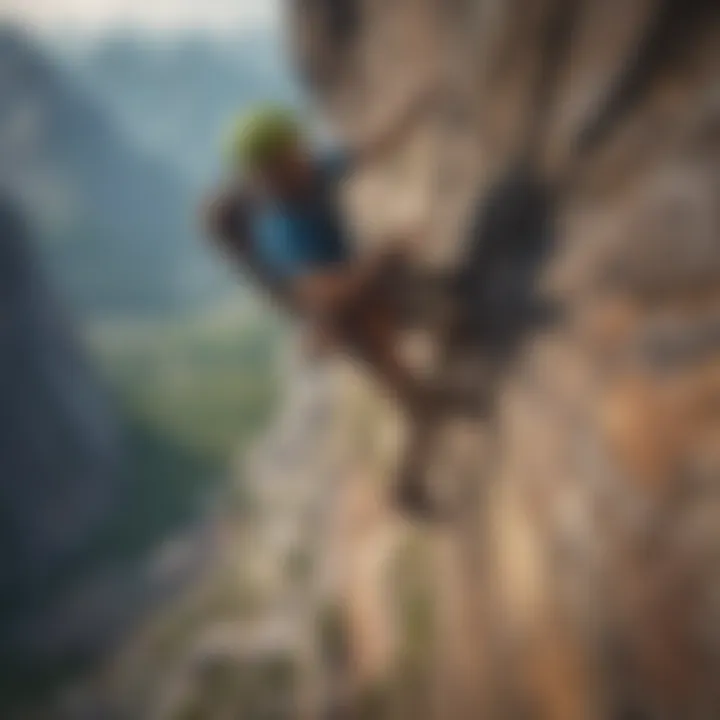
(226, 219)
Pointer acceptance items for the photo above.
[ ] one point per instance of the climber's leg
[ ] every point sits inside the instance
(373, 336)
(369, 331)
(349, 307)
(351, 310)
(376, 341)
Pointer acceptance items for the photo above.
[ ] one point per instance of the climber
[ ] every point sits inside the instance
(282, 220)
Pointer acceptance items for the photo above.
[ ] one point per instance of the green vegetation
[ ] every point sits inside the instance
(195, 392)
(207, 383)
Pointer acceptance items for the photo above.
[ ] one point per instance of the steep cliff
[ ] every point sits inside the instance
(568, 182)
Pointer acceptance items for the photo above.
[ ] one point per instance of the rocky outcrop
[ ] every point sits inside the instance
(568, 182)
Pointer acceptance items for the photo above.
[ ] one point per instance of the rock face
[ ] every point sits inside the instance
(58, 444)
(569, 182)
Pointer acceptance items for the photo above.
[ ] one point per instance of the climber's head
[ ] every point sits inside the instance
(268, 145)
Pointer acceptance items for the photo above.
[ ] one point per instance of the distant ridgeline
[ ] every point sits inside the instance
(175, 97)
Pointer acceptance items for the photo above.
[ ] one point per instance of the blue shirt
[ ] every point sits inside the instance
(293, 239)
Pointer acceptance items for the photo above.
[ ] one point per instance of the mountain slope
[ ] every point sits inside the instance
(118, 224)
(58, 436)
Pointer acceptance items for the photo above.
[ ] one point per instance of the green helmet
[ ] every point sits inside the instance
(263, 135)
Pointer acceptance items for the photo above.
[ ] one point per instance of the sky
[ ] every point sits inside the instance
(101, 15)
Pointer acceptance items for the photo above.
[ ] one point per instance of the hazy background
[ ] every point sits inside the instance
(135, 368)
